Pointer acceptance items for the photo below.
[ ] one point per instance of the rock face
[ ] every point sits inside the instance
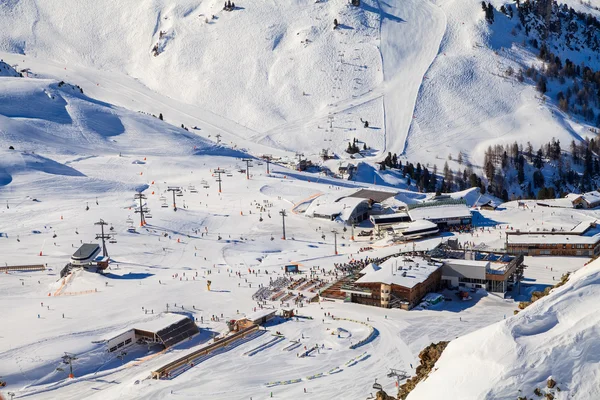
(428, 356)
(381, 395)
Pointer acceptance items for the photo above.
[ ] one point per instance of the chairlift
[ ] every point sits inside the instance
(229, 175)
(164, 205)
(179, 194)
(206, 186)
(112, 241)
(131, 229)
(148, 216)
(162, 199)
(129, 221)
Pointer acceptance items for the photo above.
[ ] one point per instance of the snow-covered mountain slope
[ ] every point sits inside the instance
(467, 104)
(259, 64)
(428, 76)
(47, 125)
(279, 69)
(558, 336)
(7, 70)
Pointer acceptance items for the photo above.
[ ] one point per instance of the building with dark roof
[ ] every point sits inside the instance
(85, 254)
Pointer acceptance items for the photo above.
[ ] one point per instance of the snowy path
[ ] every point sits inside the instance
(411, 32)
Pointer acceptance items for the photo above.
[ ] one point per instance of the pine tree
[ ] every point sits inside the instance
(489, 169)
(521, 170)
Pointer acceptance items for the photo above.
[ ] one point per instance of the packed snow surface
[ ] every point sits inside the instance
(80, 135)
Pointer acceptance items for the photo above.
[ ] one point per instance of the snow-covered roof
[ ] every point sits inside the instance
(417, 270)
(417, 225)
(565, 202)
(592, 197)
(161, 321)
(253, 316)
(451, 211)
(334, 205)
(467, 263)
(582, 227)
(370, 268)
(572, 196)
(548, 238)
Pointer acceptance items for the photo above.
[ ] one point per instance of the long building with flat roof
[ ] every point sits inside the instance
(443, 215)
(582, 240)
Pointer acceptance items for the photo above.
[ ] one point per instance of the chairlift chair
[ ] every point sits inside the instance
(112, 241)
(148, 216)
(179, 194)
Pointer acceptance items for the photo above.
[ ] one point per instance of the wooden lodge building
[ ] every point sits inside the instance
(398, 282)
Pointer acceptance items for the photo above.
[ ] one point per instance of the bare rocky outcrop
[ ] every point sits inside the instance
(428, 356)
(382, 395)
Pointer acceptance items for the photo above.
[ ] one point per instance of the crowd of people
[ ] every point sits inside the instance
(229, 6)
(353, 265)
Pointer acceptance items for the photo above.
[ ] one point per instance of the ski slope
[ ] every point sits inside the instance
(278, 85)
(467, 103)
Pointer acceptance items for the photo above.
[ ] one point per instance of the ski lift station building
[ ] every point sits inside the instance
(85, 255)
(166, 329)
(351, 206)
(444, 214)
(351, 210)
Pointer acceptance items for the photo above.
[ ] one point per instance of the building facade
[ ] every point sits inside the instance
(553, 244)
(404, 288)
